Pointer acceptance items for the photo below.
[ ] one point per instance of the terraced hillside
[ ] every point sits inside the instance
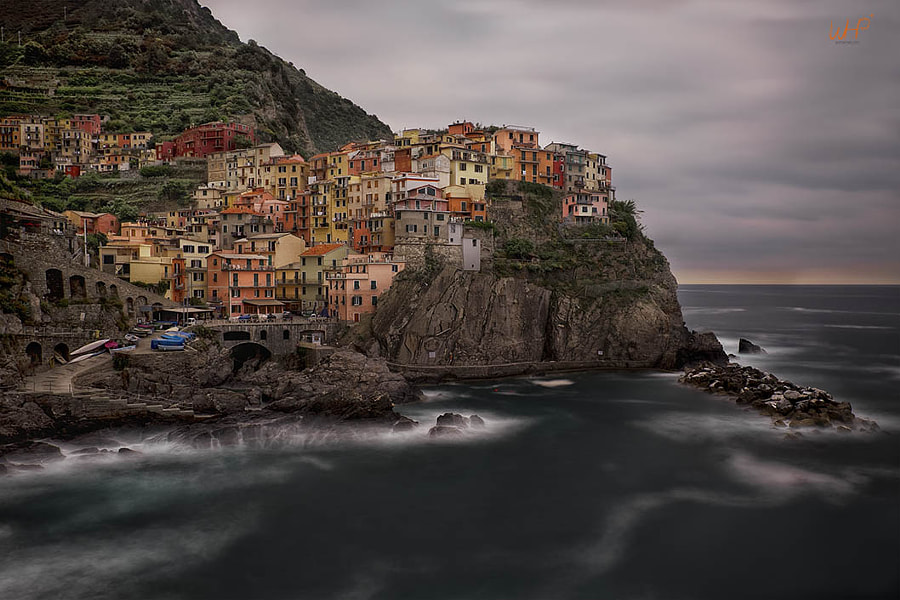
(162, 65)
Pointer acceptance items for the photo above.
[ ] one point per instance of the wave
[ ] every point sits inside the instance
(711, 310)
(552, 383)
(804, 309)
(859, 327)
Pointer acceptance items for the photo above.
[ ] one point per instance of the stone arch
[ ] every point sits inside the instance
(77, 288)
(286, 334)
(34, 353)
(55, 287)
(62, 350)
(141, 301)
(101, 289)
(236, 336)
(129, 306)
(262, 334)
(249, 351)
(114, 290)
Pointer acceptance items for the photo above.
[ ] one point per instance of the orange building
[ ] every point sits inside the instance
(241, 284)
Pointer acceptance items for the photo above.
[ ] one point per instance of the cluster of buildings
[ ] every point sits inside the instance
(73, 145)
(270, 231)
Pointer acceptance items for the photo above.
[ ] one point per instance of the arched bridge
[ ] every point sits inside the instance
(279, 337)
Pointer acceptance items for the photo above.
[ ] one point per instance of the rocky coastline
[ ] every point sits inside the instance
(788, 404)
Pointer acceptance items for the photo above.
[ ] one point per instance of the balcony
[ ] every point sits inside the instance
(246, 268)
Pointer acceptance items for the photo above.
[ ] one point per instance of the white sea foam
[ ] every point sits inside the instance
(772, 483)
(95, 569)
(552, 383)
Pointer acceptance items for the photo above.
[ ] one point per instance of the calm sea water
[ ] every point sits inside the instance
(601, 485)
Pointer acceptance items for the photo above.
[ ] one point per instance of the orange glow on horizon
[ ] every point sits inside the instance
(862, 276)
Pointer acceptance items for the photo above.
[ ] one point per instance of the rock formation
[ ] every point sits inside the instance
(786, 402)
(595, 303)
(745, 346)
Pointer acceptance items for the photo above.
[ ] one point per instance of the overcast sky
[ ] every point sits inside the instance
(759, 149)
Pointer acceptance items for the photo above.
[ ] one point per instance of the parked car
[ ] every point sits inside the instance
(271, 317)
(244, 318)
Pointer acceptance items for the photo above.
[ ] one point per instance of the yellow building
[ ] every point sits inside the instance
(503, 166)
(467, 167)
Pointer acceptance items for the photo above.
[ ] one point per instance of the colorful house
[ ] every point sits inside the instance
(354, 289)
(241, 284)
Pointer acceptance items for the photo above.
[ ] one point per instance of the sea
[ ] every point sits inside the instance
(620, 485)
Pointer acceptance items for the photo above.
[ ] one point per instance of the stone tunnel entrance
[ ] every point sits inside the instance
(34, 353)
(249, 351)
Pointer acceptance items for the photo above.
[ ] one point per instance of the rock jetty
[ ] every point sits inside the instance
(788, 404)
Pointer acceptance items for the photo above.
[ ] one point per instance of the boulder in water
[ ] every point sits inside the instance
(745, 346)
(476, 421)
(452, 420)
(443, 431)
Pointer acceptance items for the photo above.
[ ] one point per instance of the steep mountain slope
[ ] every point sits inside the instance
(162, 65)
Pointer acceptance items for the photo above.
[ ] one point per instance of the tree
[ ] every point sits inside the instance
(518, 248)
(124, 211)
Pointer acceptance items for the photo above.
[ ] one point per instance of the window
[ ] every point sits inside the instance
(462, 166)
(356, 301)
(394, 268)
(373, 285)
(356, 284)
(437, 231)
(439, 217)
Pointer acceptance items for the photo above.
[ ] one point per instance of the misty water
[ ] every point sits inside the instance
(592, 485)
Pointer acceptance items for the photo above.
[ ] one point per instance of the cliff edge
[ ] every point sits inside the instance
(598, 295)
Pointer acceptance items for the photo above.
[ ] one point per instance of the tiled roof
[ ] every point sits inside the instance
(321, 249)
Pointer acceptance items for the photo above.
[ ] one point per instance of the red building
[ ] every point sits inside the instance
(87, 123)
(212, 137)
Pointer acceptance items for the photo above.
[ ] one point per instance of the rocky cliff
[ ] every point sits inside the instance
(597, 295)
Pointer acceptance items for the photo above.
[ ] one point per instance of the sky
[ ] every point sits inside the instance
(759, 149)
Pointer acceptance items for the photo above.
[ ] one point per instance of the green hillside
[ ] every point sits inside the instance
(162, 65)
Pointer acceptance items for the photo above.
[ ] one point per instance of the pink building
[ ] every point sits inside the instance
(353, 290)
(585, 207)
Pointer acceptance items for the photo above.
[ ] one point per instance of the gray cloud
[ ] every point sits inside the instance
(753, 143)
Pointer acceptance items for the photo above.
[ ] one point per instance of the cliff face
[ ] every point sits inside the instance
(567, 299)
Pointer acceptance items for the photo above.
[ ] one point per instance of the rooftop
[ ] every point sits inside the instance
(322, 249)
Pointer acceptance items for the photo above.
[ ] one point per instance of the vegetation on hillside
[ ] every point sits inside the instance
(585, 262)
(161, 66)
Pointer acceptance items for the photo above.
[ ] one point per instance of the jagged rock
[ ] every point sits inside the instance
(404, 424)
(21, 421)
(803, 407)
(444, 431)
(452, 420)
(83, 451)
(128, 451)
(476, 421)
(745, 346)
(32, 452)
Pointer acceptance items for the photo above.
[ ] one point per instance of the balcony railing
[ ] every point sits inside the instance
(234, 267)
